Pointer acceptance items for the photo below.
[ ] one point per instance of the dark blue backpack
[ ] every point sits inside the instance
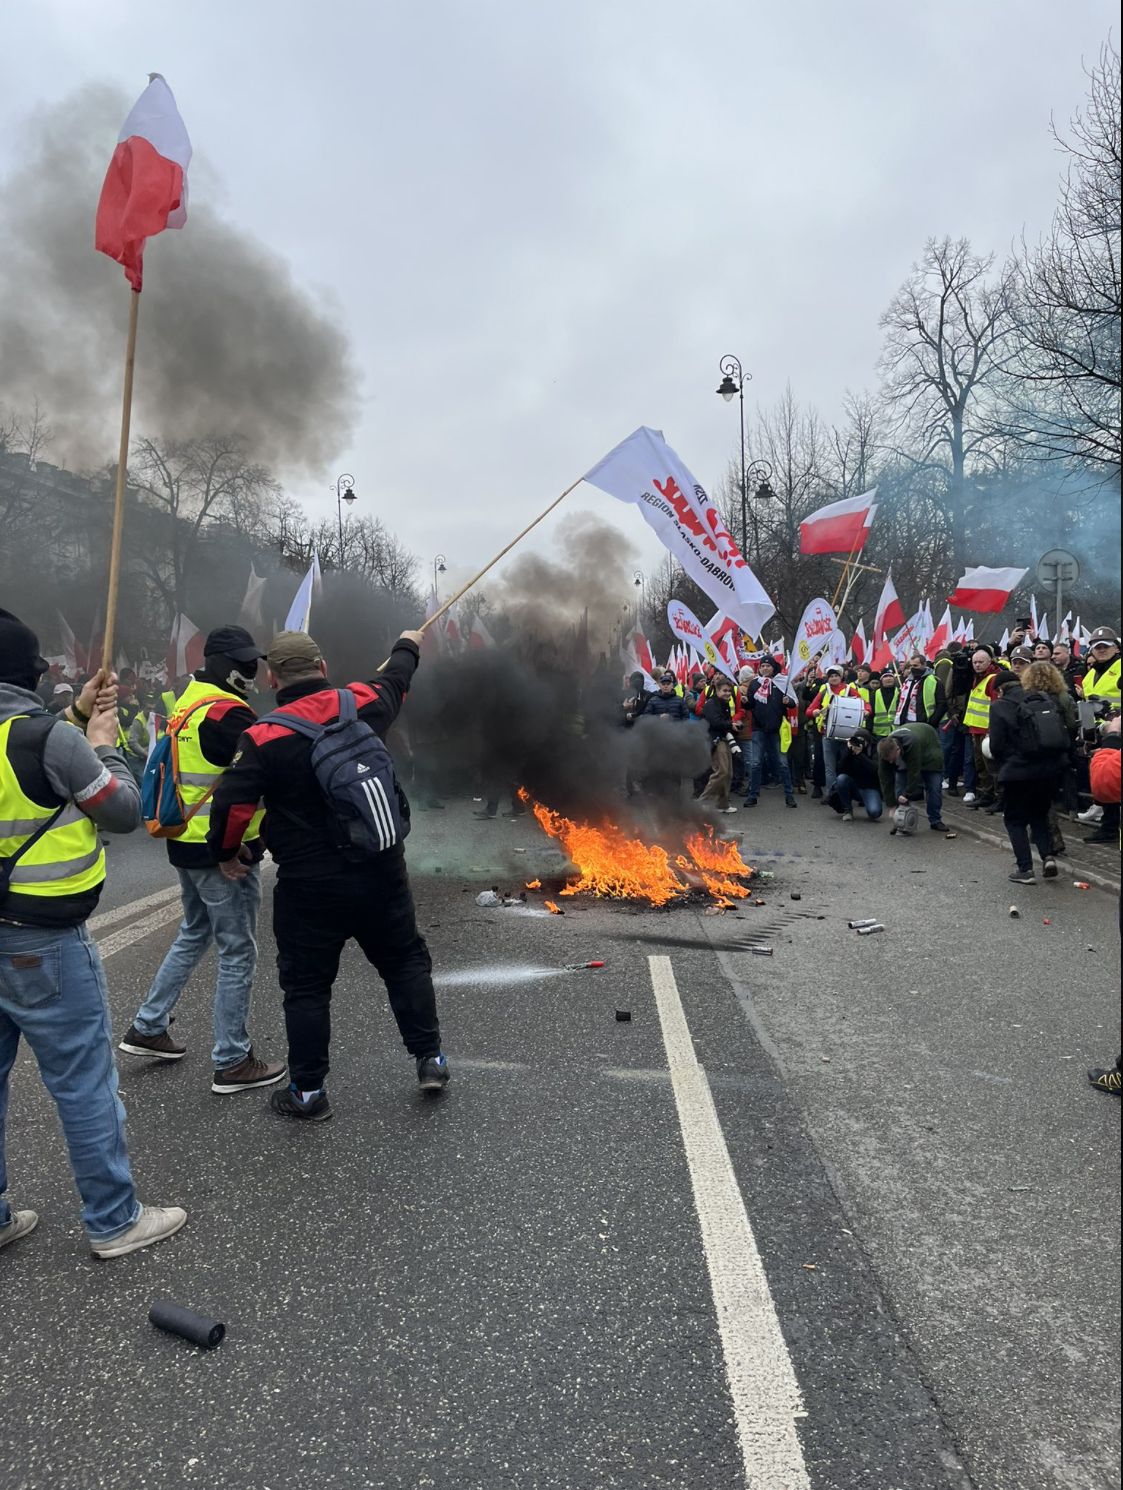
(355, 772)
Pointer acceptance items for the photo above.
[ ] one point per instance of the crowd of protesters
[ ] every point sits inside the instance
(1015, 732)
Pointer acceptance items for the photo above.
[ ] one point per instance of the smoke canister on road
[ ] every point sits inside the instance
(176, 1320)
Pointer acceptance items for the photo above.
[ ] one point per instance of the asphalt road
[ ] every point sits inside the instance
(843, 1217)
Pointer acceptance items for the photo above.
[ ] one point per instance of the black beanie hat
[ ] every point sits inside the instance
(20, 662)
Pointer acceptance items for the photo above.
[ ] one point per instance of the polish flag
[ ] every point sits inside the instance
(882, 657)
(70, 647)
(941, 636)
(1004, 640)
(453, 634)
(1043, 627)
(185, 649)
(1065, 633)
(986, 590)
(840, 528)
(1033, 616)
(145, 187)
(858, 644)
(890, 611)
(479, 637)
(960, 630)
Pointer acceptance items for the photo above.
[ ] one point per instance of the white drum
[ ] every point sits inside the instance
(844, 717)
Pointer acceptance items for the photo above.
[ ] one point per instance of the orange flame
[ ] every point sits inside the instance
(709, 852)
(720, 886)
(555, 910)
(620, 868)
(611, 864)
(534, 884)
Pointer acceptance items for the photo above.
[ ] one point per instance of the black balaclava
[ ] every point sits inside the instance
(20, 661)
(230, 674)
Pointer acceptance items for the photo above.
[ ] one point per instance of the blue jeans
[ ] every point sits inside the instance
(870, 796)
(933, 792)
(834, 755)
(763, 746)
(225, 911)
(52, 992)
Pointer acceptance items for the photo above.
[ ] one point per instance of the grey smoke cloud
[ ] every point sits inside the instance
(228, 341)
(592, 569)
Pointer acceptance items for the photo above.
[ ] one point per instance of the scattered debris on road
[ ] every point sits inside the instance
(623, 1016)
(188, 1323)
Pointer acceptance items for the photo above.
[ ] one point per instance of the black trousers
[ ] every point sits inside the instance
(1025, 810)
(313, 919)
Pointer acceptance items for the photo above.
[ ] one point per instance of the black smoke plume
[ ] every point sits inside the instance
(228, 342)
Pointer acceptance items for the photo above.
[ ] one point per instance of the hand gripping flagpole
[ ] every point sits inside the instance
(491, 563)
(119, 493)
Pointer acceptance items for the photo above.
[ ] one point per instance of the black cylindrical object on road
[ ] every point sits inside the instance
(186, 1322)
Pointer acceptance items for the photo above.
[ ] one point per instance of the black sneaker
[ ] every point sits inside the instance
(938, 827)
(288, 1102)
(162, 1046)
(750, 801)
(1049, 870)
(1023, 877)
(433, 1072)
(951, 791)
(1107, 1081)
(790, 802)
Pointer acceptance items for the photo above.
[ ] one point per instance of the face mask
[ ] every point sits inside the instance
(240, 682)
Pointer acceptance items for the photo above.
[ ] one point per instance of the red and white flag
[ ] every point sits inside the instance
(70, 649)
(858, 645)
(840, 528)
(185, 649)
(890, 611)
(941, 636)
(479, 637)
(1033, 617)
(145, 187)
(1004, 640)
(986, 590)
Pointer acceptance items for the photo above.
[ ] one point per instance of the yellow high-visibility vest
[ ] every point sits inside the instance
(977, 713)
(67, 860)
(1106, 685)
(197, 775)
(883, 712)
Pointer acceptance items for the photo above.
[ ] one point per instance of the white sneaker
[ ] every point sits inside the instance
(154, 1223)
(945, 783)
(21, 1223)
(1093, 815)
(847, 817)
(727, 809)
(969, 797)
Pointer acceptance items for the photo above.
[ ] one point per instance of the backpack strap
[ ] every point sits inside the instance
(306, 727)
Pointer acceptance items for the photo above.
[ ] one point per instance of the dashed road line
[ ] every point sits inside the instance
(761, 1377)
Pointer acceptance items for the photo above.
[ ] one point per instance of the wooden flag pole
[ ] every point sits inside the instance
(845, 575)
(491, 563)
(119, 494)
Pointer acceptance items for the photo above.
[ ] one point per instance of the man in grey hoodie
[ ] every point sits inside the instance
(61, 780)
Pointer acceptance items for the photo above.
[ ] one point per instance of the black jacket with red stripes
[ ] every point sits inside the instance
(272, 765)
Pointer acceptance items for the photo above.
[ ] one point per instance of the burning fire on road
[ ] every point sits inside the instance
(615, 866)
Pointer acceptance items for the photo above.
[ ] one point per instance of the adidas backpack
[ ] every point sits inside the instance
(355, 773)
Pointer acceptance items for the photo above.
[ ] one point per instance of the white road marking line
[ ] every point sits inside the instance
(762, 1381)
(117, 941)
(133, 908)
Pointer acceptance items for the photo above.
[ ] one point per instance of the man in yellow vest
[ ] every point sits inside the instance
(1102, 681)
(208, 720)
(976, 721)
(883, 704)
(58, 788)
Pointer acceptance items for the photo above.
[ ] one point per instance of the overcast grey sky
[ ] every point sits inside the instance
(542, 225)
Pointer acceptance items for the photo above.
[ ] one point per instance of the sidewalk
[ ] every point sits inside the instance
(1096, 863)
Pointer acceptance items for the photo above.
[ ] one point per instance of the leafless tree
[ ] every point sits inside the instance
(947, 334)
(195, 483)
(1064, 389)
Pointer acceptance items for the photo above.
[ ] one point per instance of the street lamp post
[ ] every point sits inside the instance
(639, 579)
(344, 492)
(438, 568)
(733, 386)
(757, 477)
